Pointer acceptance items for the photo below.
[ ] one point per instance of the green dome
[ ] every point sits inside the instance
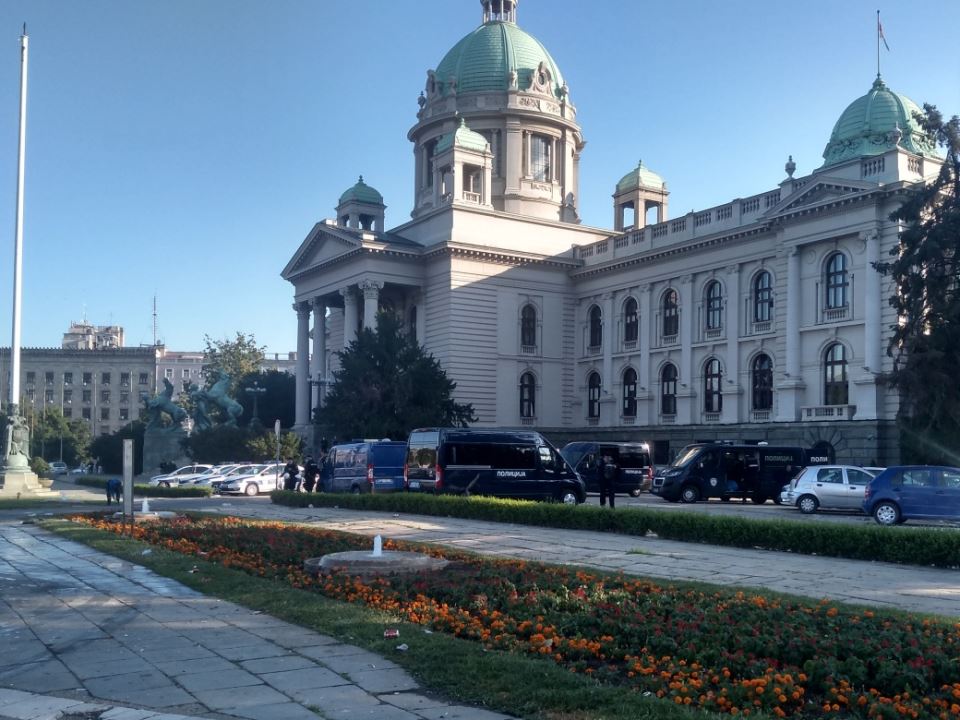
(874, 124)
(462, 137)
(484, 59)
(637, 177)
(361, 192)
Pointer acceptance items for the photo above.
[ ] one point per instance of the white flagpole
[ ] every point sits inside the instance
(18, 243)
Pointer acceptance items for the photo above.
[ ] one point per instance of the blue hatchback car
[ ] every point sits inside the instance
(914, 492)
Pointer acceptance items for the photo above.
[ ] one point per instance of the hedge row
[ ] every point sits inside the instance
(100, 481)
(937, 547)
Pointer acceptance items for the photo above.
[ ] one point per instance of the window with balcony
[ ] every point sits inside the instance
(835, 387)
(593, 396)
(631, 323)
(671, 314)
(629, 408)
(761, 374)
(528, 395)
(712, 387)
(763, 298)
(528, 329)
(837, 282)
(596, 329)
(668, 390)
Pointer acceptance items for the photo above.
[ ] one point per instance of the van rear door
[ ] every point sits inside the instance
(421, 465)
(386, 459)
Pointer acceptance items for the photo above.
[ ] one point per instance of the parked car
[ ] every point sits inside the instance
(502, 463)
(252, 480)
(179, 475)
(79, 470)
(364, 467)
(58, 468)
(632, 458)
(705, 470)
(908, 492)
(838, 487)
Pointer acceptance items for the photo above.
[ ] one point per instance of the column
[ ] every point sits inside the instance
(302, 407)
(349, 316)
(318, 360)
(789, 390)
(609, 386)
(643, 346)
(371, 303)
(731, 389)
(686, 393)
(873, 302)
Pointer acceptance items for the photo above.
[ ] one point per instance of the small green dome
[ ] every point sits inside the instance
(484, 59)
(875, 123)
(462, 137)
(640, 175)
(361, 192)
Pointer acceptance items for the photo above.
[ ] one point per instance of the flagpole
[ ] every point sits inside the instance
(878, 43)
(18, 241)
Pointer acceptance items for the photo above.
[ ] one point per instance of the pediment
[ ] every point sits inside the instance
(322, 245)
(818, 192)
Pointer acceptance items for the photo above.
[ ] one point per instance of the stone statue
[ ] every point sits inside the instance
(17, 442)
(217, 394)
(163, 403)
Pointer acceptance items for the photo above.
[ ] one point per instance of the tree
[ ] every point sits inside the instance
(263, 447)
(49, 428)
(237, 358)
(240, 444)
(275, 403)
(387, 385)
(926, 339)
(109, 448)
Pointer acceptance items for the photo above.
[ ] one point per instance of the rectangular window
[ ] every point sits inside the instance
(541, 158)
(104, 396)
(48, 377)
(68, 413)
(143, 379)
(68, 378)
(105, 378)
(124, 398)
(31, 377)
(48, 396)
(185, 373)
(124, 414)
(31, 394)
(125, 379)
(85, 413)
(68, 396)
(87, 378)
(104, 413)
(168, 373)
(87, 396)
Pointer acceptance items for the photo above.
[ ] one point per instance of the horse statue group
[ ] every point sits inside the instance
(202, 401)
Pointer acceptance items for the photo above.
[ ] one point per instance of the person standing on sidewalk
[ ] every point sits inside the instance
(608, 481)
(310, 472)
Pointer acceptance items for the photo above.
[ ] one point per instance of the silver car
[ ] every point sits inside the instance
(838, 487)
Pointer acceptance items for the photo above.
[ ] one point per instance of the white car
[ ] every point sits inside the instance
(178, 476)
(254, 480)
(58, 468)
(838, 487)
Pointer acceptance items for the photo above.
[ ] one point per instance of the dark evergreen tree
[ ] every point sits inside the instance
(925, 270)
(276, 402)
(386, 386)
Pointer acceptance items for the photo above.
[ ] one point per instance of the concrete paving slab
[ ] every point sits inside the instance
(264, 666)
(383, 681)
(461, 712)
(46, 676)
(143, 689)
(294, 681)
(357, 662)
(412, 701)
(278, 711)
(232, 678)
(211, 665)
(253, 651)
(225, 699)
(331, 699)
(378, 712)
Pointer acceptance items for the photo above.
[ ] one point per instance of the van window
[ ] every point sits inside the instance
(685, 457)
(387, 455)
(513, 457)
(633, 458)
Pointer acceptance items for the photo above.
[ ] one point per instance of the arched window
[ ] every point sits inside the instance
(593, 395)
(668, 390)
(671, 317)
(761, 375)
(712, 386)
(528, 328)
(836, 281)
(629, 392)
(762, 297)
(835, 390)
(528, 395)
(596, 327)
(714, 297)
(631, 321)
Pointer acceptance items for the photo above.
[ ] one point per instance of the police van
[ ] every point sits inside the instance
(502, 463)
(634, 467)
(711, 470)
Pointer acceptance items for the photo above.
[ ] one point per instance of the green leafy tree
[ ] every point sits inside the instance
(386, 385)
(263, 447)
(237, 358)
(51, 430)
(108, 449)
(238, 444)
(926, 340)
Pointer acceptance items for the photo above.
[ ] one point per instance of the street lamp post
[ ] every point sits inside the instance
(255, 391)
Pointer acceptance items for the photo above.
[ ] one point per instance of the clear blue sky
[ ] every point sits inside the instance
(183, 149)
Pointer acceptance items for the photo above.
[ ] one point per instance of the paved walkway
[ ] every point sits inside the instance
(87, 636)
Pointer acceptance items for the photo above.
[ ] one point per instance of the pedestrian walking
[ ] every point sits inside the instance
(608, 480)
(291, 475)
(310, 472)
(114, 489)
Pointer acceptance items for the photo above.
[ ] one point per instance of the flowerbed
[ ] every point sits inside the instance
(722, 651)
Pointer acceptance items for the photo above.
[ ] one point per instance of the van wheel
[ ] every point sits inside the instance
(777, 500)
(808, 504)
(690, 494)
(887, 513)
(759, 499)
(634, 493)
(252, 490)
(355, 489)
(567, 497)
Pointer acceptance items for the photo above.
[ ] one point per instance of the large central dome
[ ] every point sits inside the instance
(484, 60)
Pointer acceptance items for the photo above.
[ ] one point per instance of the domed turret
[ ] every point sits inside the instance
(874, 124)
(640, 176)
(361, 207)
(638, 192)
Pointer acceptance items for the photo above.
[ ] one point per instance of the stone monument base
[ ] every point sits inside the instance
(367, 565)
(163, 446)
(23, 483)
